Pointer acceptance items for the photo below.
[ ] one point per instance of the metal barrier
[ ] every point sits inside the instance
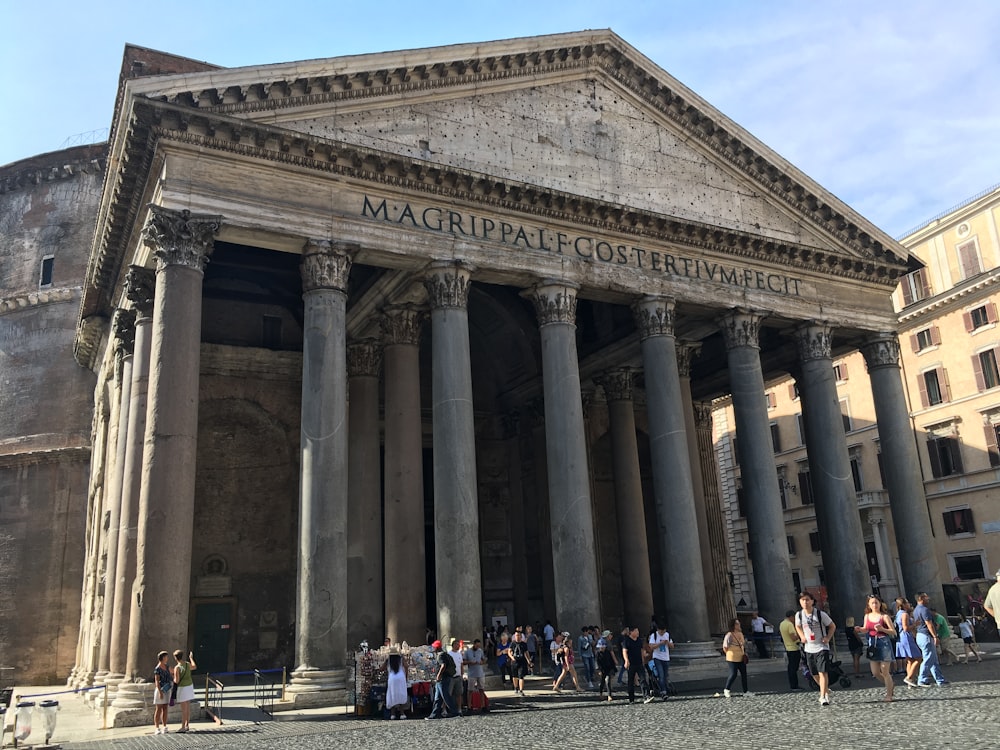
(214, 692)
(264, 690)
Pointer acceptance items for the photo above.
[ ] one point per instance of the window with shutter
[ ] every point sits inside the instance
(984, 367)
(958, 521)
(805, 486)
(945, 456)
(775, 437)
(814, 541)
(992, 444)
(932, 389)
(968, 259)
(978, 317)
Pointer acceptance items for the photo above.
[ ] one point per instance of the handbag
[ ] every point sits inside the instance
(173, 695)
(871, 652)
(746, 659)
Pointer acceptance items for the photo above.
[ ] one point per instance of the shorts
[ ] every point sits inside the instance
(476, 683)
(883, 649)
(457, 688)
(970, 640)
(818, 663)
(519, 669)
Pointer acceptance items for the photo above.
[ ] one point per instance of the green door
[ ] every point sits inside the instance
(213, 631)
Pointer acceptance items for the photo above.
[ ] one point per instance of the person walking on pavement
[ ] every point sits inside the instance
(906, 646)
(442, 684)
(585, 645)
(531, 646)
(878, 627)
(734, 646)
(758, 627)
(968, 638)
(520, 663)
(790, 639)
(927, 642)
(633, 658)
(815, 629)
(549, 635)
(606, 662)
(661, 644)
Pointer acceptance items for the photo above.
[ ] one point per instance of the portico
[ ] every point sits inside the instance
(484, 240)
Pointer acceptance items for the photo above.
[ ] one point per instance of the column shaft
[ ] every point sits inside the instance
(456, 498)
(683, 581)
(321, 624)
(841, 536)
(181, 243)
(903, 477)
(570, 509)
(364, 512)
(405, 554)
(637, 587)
(765, 518)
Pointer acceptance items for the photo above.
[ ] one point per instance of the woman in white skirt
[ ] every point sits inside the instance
(185, 686)
(396, 699)
(162, 687)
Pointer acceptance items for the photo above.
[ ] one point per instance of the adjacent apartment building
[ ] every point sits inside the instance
(949, 339)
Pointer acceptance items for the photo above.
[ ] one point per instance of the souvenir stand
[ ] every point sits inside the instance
(370, 678)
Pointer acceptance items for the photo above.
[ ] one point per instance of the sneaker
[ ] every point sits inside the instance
(910, 683)
(825, 700)
(748, 695)
(942, 683)
(924, 684)
(727, 693)
(391, 717)
(649, 699)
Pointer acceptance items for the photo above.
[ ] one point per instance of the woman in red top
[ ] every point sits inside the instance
(879, 629)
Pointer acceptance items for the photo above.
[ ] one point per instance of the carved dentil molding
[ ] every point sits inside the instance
(741, 328)
(402, 325)
(814, 341)
(654, 316)
(448, 285)
(618, 384)
(325, 265)
(181, 238)
(140, 288)
(364, 358)
(41, 297)
(555, 302)
(882, 350)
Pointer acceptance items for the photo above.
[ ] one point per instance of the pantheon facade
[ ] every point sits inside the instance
(431, 339)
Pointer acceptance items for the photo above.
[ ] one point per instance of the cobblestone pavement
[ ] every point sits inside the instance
(961, 714)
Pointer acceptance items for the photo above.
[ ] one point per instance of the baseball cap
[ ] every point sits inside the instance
(436, 645)
(605, 634)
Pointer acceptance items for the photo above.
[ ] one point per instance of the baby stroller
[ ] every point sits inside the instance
(834, 672)
(652, 680)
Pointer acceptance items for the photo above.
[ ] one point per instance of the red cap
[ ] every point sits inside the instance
(436, 645)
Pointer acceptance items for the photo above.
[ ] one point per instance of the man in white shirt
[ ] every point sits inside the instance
(815, 630)
(455, 652)
(548, 635)
(661, 644)
(758, 626)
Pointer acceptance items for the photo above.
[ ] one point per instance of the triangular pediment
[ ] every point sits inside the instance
(582, 114)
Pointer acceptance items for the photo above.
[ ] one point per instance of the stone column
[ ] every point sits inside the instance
(836, 505)
(139, 286)
(124, 332)
(456, 502)
(321, 611)
(571, 518)
(903, 478)
(637, 587)
(721, 607)
(876, 521)
(765, 518)
(181, 243)
(683, 581)
(364, 496)
(405, 561)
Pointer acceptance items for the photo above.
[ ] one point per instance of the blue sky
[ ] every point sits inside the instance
(891, 106)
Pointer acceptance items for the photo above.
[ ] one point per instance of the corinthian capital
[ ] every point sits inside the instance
(140, 285)
(703, 415)
(448, 284)
(124, 329)
(555, 302)
(814, 341)
(325, 265)
(180, 238)
(741, 327)
(364, 358)
(881, 350)
(685, 353)
(401, 324)
(654, 316)
(617, 384)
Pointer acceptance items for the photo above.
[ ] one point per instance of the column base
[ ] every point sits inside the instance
(111, 681)
(317, 687)
(693, 651)
(132, 695)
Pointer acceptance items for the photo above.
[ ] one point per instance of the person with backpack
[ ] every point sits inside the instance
(815, 629)
(442, 684)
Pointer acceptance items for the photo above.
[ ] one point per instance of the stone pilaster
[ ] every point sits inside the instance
(637, 587)
(321, 621)
(574, 559)
(456, 504)
(673, 488)
(405, 556)
(841, 536)
(721, 607)
(364, 496)
(181, 243)
(903, 477)
(765, 518)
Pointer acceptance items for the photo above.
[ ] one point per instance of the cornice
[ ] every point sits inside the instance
(53, 167)
(38, 298)
(954, 298)
(294, 88)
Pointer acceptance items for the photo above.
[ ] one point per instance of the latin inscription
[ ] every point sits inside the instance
(591, 249)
